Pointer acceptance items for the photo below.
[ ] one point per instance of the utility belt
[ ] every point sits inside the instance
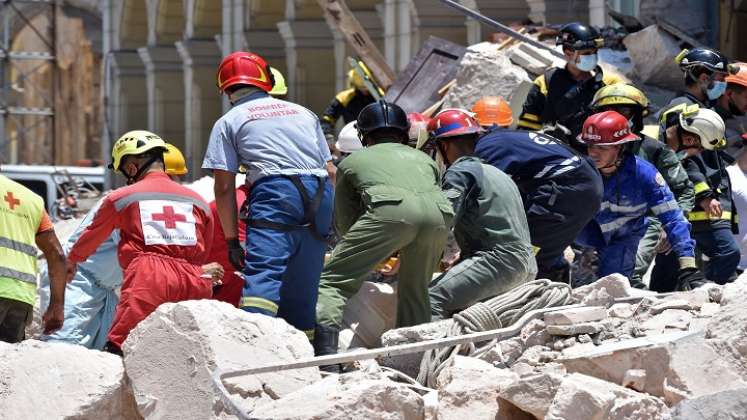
(310, 209)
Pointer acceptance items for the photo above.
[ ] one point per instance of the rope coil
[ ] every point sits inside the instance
(498, 312)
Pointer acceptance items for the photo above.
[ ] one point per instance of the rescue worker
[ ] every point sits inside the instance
(561, 96)
(632, 187)
(633, 105)
(732, 106)
(490, 226)
(492, 110)
(738, 179)
(552, 179)
(289, 210)
(713, 217)
(387, 199)
(705, 71)
(348, 103)
(24, 226)
(92, 296)
(164, 231)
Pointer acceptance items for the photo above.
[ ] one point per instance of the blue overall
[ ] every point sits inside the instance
(615, 231)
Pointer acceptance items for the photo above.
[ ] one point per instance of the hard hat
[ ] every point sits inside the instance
(244, 68)
(453, 122)
(491, 110)
(740, 77)
(173, 161)
(418, 128)
(135, 143)
(708, 58)
(705, 123)
(348, 140)
(608, 128)
(382, 114)
(577, 36)
(354, 78)
(620, 94)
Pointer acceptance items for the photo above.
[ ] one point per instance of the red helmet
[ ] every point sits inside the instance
(606, 128)
(453, 122)
(416, 117)
(244, 68)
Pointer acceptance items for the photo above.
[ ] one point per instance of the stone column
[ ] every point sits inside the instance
(309, 50)
(165, 92)
(202, 106)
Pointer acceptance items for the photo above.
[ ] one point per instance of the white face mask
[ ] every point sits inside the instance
(586, 62)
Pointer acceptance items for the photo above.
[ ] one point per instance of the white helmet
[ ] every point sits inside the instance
(707, 124)
(348, 141)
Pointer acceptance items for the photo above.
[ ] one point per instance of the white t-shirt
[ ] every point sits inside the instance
(739, 193)
(270, 137)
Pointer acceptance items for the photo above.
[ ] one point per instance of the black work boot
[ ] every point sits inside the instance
(325, 343)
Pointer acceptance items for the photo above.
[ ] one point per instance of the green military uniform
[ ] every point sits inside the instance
(387, 199)
(490, 226)
(670, 168)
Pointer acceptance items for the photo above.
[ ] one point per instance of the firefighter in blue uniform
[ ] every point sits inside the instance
(560, 188)
(632, 187)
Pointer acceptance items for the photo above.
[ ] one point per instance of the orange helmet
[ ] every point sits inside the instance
(244, 68)
(740, 77)
(491, 110)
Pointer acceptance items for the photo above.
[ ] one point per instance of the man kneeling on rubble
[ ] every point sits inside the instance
(632, 187)
(489, 223)
(164, 228)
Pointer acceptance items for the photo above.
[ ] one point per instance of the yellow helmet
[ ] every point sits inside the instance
(355, 80)
(134, 143)
(279, 88)
(620, 94)
(174, 161)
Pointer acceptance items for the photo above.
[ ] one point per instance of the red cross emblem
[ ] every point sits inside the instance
(169, 217)
(12, 201)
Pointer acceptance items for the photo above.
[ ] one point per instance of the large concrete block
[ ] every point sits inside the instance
(55, 380)
(358, 395)
(724, 405)
(371, 312)
(484, 71)
(171, 355)
(652, 52)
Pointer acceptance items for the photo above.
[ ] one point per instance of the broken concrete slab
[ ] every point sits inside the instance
(469, 388)
(724, 405)
(505, 352)
(575, 315)
(669, 318)
(185, 342)
(584, 397)
(576, 329)
(535, 334)
(652, 52)
(410, 363)
(484, 71)
(709, 309)
(677, 365)
(616, 285)
(533, 393)
(727, 329)
(635, 379)
(371, 312)
(362, 395)
(670, 304)
(58, 380)
(621, 310)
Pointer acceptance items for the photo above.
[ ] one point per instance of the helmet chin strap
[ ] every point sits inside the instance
(144, 167)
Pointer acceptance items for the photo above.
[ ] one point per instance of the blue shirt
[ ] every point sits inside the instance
(270, 137)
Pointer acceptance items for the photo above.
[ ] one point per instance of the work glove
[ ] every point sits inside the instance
(689, 279)
(235, 253)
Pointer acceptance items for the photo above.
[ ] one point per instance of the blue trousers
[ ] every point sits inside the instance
(617, 256)
(281, 276)
(722, 250)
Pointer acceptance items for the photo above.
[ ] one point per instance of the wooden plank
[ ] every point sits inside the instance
(434, 66)
(672, 30)
(338, 15)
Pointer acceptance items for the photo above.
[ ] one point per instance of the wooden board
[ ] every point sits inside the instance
(338, 15)
(434, 66)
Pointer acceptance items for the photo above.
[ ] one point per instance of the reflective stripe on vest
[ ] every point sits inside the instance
(21, 211)
(699, 216)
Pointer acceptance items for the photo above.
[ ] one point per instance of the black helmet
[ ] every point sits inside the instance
(710, 59)
(381, 114)
(577, 36)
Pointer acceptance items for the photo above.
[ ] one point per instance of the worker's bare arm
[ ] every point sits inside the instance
(50, 246)
(225, 201)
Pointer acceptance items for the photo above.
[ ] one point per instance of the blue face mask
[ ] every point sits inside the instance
(715, 91)
(587, 62)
